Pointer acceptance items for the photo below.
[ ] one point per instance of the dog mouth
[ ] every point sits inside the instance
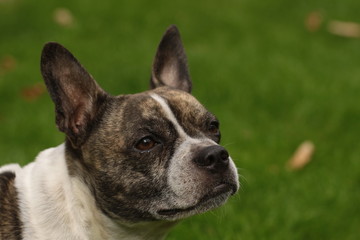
(217, 192)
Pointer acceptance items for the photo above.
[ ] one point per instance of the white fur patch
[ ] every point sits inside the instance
(170, 115)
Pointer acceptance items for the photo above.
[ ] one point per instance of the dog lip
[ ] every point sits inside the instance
(171, 212)
(228, 186)
(217, 191)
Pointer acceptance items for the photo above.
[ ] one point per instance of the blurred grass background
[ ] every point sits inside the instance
(271, 81)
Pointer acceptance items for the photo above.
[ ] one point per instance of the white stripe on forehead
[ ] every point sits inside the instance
(169, 114)
(187, 140)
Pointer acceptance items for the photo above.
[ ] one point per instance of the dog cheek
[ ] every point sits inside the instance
(133, 178)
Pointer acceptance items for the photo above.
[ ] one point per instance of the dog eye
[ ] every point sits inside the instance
(145, 144)
(214, 127)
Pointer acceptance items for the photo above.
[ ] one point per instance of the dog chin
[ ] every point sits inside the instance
(212, 200)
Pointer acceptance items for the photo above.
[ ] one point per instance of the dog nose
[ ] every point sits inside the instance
(213, 158)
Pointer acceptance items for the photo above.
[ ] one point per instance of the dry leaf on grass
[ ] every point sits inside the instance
(33, 92)
(302, 156)
(63, 17)
(313, 21)
(7, 64)
(344, 29)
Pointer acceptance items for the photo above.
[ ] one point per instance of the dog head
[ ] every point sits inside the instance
(149, 156)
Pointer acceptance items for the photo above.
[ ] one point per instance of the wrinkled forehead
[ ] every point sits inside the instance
(178, 107)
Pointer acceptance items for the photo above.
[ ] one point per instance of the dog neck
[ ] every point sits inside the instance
(102, 227)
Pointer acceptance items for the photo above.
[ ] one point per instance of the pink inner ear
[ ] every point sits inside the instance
(169, 74)
(78, 120)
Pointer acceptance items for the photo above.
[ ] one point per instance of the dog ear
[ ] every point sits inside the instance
(76, 95)
(170, 64)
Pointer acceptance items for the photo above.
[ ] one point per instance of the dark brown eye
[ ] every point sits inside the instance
(214, 127)
(145, 144)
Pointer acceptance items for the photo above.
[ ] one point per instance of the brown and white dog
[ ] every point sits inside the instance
(131, 167)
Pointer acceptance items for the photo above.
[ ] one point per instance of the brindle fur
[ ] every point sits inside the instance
(10, 224)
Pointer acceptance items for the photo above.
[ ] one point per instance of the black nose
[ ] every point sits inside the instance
(214, 158)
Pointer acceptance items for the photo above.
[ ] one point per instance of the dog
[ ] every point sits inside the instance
(131, 167)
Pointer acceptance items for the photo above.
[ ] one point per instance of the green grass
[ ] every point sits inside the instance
(272, 83)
